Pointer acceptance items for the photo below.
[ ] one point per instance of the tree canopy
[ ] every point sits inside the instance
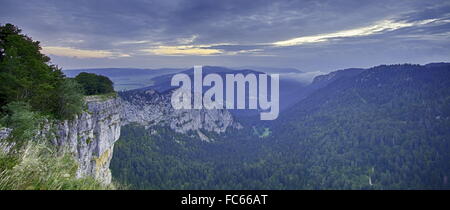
(94, 84)
(26, 75)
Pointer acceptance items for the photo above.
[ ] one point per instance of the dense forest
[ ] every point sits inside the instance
(380, 128)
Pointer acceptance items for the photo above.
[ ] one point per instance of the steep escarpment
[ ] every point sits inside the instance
(50, 133)
(90, 136)
(149, 108)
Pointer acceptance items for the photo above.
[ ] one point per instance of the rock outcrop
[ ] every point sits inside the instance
(149, 108)
(4, 133)
(5, 146)
(90, 136)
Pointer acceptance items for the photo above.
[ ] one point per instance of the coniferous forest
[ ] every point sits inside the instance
(386, 127)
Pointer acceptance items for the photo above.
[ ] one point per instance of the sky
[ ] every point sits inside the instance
(307, 35)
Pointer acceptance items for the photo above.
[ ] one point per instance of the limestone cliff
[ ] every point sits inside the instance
(149, 108)
(90, 136)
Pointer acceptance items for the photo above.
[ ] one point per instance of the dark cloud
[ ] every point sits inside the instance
(232, 32)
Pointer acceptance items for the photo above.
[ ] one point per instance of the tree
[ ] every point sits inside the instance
(70, 99)
(94, 84)
(23, 121)
(26, 75)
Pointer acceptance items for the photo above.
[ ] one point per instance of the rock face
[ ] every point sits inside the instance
(90, 137)
(4, 133)
(5, 146)
(148, 107)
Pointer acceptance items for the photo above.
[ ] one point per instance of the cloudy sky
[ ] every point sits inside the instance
(308, 35)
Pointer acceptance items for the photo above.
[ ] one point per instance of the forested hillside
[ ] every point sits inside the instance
(381, 128)
(389, 124)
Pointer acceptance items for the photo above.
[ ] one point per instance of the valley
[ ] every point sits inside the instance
(214, 96)
(351, 129)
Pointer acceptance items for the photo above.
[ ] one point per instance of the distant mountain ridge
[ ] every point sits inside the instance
(125, 78)
(113, 72)
(270, 70)
(135, 78)
(162, 83)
